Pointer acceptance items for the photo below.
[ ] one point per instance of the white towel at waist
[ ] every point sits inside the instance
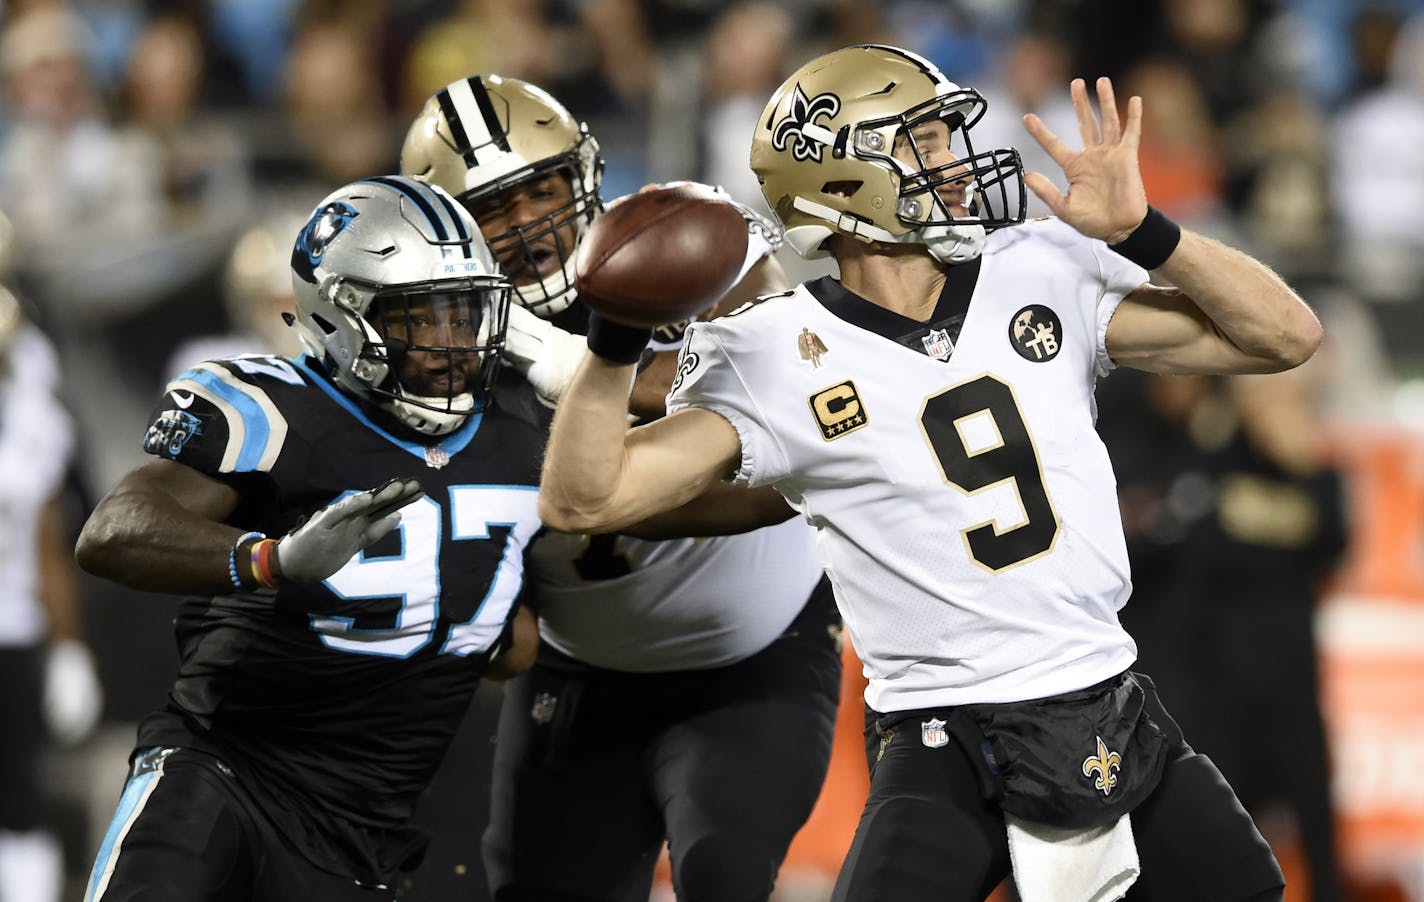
(1053, 864)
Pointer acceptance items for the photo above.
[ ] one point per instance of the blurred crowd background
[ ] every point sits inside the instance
(157, 158)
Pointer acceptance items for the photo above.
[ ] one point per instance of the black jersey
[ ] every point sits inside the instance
(340, 698)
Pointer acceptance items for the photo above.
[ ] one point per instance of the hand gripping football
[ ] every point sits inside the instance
(661, 256)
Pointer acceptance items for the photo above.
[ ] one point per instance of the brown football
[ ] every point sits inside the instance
(661, 256)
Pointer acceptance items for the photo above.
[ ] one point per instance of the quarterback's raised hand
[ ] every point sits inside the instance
(323, 544)
(544, 353)
(1105, 196)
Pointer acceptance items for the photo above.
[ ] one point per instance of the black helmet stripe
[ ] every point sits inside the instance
(473, 123)
(491, 121)
(454, 213)
(457, 127)
(430, 204)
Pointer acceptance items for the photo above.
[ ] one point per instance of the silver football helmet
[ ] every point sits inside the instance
(824, 154)
(483, 135)
(398, 296)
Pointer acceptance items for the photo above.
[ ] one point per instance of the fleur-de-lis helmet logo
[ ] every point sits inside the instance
(1103, 764)
(804, 111)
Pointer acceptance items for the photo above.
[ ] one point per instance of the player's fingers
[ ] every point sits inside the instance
(343, 511)
(1107, 108)
(393, 496)
(1083, 109)
(1046, 139)
(1132, 134)
(1046, 191)
(379, 528)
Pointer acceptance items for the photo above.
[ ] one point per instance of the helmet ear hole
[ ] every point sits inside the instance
(325, 324)
(846, 188)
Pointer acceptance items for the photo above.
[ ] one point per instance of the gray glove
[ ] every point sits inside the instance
(544, 353)
(322, 545)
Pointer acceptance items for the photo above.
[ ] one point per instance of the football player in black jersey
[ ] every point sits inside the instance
(339, 630)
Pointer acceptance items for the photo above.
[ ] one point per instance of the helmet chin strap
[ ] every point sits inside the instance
(551, 295)
(947, 244)
(431, 422)
(953, 244)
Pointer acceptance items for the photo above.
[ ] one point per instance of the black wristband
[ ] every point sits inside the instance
(615, 341)
(1152, 242)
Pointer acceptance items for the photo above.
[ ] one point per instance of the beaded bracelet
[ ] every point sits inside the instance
(264, 558)
(237, 582)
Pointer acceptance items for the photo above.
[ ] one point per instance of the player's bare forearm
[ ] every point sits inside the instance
(1228, 313)
(160, 529)
(583, 463)
(59, 591)
(649, 398)
(1246, 300)
(599, 476)
(723, 509)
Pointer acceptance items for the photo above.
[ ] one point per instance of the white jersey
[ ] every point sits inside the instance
(965, 507)
(683, 604)
(36, 440)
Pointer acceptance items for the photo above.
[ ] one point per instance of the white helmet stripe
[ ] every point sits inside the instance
(467, 107)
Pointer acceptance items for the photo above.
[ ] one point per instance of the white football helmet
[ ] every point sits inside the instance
(483, 135)
(389, 267)
(823, 154)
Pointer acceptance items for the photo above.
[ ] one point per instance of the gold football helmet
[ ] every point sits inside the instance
(825, 154)
(483, 135)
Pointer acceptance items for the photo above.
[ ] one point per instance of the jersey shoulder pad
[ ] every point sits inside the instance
(226, 416)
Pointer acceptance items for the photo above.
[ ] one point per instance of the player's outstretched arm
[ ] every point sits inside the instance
(600, 476)
(723, 510)
(161, 529)
(1227, 312)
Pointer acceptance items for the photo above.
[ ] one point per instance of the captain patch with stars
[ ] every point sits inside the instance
(1035, 333)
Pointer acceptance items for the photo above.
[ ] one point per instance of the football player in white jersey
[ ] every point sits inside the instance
(686, 689)
(48, 687)
(931, 414)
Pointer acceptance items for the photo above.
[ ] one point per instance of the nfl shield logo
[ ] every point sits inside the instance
(543, 710)
(932, 733)
(938, 344)
(436, 457)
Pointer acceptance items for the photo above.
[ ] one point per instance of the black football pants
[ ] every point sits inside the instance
(594, 768)
(926, 832)
(186, 832)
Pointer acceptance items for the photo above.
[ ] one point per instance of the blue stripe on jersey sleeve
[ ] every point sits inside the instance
(256, 429)
(453, 443)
